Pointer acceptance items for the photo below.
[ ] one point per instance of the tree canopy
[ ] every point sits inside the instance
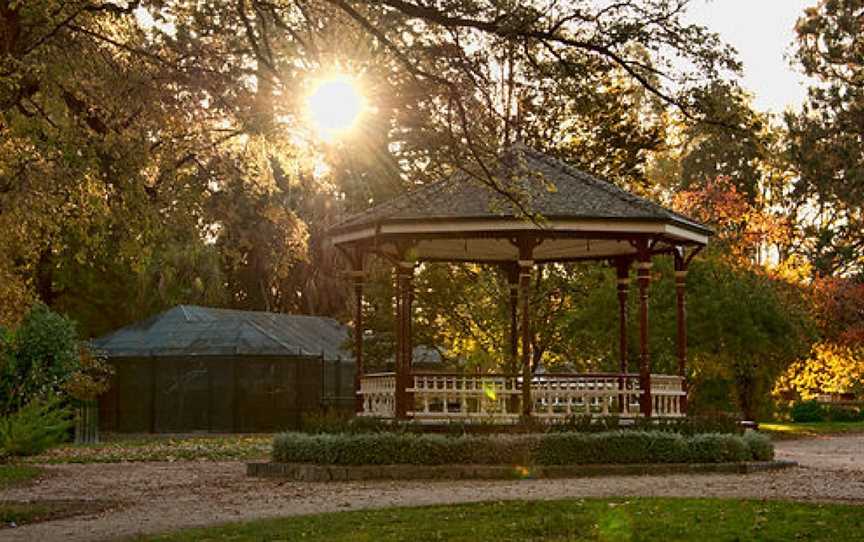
(156, 152)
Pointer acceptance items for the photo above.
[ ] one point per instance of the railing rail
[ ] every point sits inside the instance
(497, 398)
(379, 395)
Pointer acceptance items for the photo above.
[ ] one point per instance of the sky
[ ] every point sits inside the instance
(762, 31)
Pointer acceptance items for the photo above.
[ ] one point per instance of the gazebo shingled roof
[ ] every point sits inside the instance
(459, 219)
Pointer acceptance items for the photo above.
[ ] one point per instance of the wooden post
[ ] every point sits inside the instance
(644, 277)
(524, 297)
(622, 266)
(404, 279)
(681, 306)
(513, 283)
(357, 277)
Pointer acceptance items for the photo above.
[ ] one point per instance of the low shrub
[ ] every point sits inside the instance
(836, 413)
(34, 428)
(563, 448)
(691, 425)
(760, 446)
(807, 412)
(717, 447)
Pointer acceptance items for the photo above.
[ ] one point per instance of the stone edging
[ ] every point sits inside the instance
(308, 472)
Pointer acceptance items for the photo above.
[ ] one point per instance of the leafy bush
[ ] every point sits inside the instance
(34, 428)
(807, 412)
(837, 413)
(760, 446)
(37, 358)
(562, 448)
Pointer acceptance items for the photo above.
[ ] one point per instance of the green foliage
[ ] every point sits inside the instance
(34, 428)
(40, 356)
(760, 445)
(807, 411)
(814, 411)
(711, 447)
(837, 413)
(620, 447)
(825, 137)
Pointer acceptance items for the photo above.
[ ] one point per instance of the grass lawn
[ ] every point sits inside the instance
(120, 448)
(584, 519)
(13, 475)
(794, 430)
(21, 513)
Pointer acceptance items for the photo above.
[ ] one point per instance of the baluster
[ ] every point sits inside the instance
(605, 397)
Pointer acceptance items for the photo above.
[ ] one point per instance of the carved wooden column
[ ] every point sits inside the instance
(404, 295)
(513, 283)
(357, 277)
(622, 267)
(525, 301)
(644, 276)
(681, 313)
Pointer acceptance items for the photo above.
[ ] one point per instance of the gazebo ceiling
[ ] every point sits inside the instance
(459, 219)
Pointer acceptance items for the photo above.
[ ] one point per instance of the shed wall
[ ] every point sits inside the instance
(222, 394)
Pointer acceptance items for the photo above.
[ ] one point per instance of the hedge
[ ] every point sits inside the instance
(613, 447)
(690, 425)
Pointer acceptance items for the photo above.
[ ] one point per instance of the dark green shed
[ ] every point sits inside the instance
(203, 369)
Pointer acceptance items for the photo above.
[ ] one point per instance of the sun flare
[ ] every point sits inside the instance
(334, 106)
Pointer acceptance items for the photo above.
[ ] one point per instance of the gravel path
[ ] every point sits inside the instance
(162, 497)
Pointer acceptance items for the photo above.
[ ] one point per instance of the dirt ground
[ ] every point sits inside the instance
(160, 497)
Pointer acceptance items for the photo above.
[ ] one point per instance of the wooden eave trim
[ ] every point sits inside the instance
(478, 228)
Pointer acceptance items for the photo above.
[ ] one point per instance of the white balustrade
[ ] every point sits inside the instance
(379, 395)
(666, 394)
(465, 397)
(560, 396)
(498, 399)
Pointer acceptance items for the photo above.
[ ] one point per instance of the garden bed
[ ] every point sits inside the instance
(325, 457)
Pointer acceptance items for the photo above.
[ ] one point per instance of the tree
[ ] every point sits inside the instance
(825, 138)
(159, 149)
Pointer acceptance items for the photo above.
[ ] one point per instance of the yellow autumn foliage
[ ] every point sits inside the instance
(830, 368)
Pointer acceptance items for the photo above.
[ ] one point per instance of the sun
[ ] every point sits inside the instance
(334, 105)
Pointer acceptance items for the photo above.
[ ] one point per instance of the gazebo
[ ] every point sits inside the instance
(549, 212)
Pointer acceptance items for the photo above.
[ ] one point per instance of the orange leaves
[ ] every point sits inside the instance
(744, 229)
(840, 309)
